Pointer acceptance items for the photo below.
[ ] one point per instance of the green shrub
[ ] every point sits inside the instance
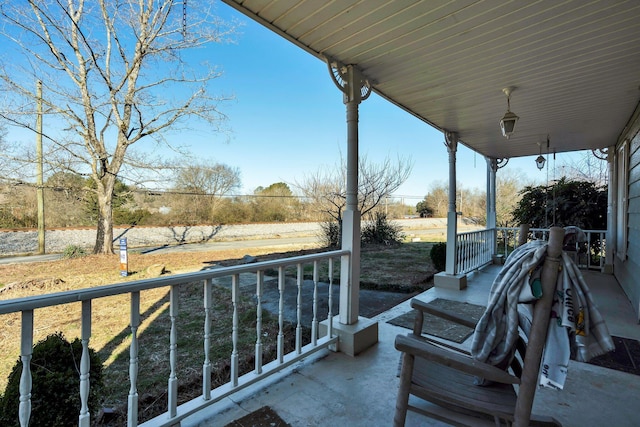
(7, 220)
(381, 231)
(438, 256)
(130, 217)
(55, 393)
(73, 251)
(331, 234)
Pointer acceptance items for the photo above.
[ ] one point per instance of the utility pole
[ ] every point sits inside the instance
(39, 180)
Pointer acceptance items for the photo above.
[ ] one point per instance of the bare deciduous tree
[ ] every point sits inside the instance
(326, 189)
(438, 199)
(214, 179)
(275, 203)
(509, 183)
(586, 167)
(200, 186)
(114, 73)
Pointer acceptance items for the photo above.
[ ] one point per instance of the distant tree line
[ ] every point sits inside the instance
(70, 202)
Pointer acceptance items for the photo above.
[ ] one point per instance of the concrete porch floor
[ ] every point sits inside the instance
(333, 389)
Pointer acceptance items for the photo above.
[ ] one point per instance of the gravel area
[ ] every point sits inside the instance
(14, 242)
(24, 242)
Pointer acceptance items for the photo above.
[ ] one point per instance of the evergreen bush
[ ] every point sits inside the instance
(382, 231)
(331, 234)
(438, 256)
(73, 251)
(55, 392)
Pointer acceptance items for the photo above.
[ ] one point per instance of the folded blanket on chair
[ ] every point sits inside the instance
(576, 329)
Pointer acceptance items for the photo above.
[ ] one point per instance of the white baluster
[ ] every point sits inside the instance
(314, 322)
(281, 315)
(235, 291)
(172, 401)
(506, 243)
(26, 352)
(602, 250)
(300, 276)
(85, 365)
(259, 289)
(206, 366)
(132, 414)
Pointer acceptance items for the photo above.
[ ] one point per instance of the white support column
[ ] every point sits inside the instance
(356, 333)
(451, 142)
(493, 165)
(449, 278)
(349, 301)
(611, 194)
(492, 168)
(488, 192)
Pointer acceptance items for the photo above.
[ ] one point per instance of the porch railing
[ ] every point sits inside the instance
(588, 255)
(474, 249)
(176, 412)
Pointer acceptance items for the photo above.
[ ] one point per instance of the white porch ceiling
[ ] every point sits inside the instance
(575, 64)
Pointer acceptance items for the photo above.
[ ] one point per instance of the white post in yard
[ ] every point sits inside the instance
(357, 333)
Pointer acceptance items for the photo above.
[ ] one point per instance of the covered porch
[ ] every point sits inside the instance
(336, 389)
(507, 80)
(571, 71)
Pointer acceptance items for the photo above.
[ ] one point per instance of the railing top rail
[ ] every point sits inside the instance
(546, 229)
(66, 297)
(467, 233)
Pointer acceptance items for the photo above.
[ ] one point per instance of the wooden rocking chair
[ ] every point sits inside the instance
(446, 377)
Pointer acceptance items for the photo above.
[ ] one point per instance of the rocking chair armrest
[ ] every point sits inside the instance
(424, 307)
(417, 347)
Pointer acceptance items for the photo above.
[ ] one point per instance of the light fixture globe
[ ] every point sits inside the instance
(540, 161)
(508, 121)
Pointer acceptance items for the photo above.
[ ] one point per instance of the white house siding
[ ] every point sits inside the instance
(627, 270)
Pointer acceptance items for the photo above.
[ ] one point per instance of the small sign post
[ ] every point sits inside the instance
(124, 263)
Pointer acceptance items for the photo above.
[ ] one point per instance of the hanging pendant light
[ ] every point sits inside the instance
(540, 161)
(508, 121)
